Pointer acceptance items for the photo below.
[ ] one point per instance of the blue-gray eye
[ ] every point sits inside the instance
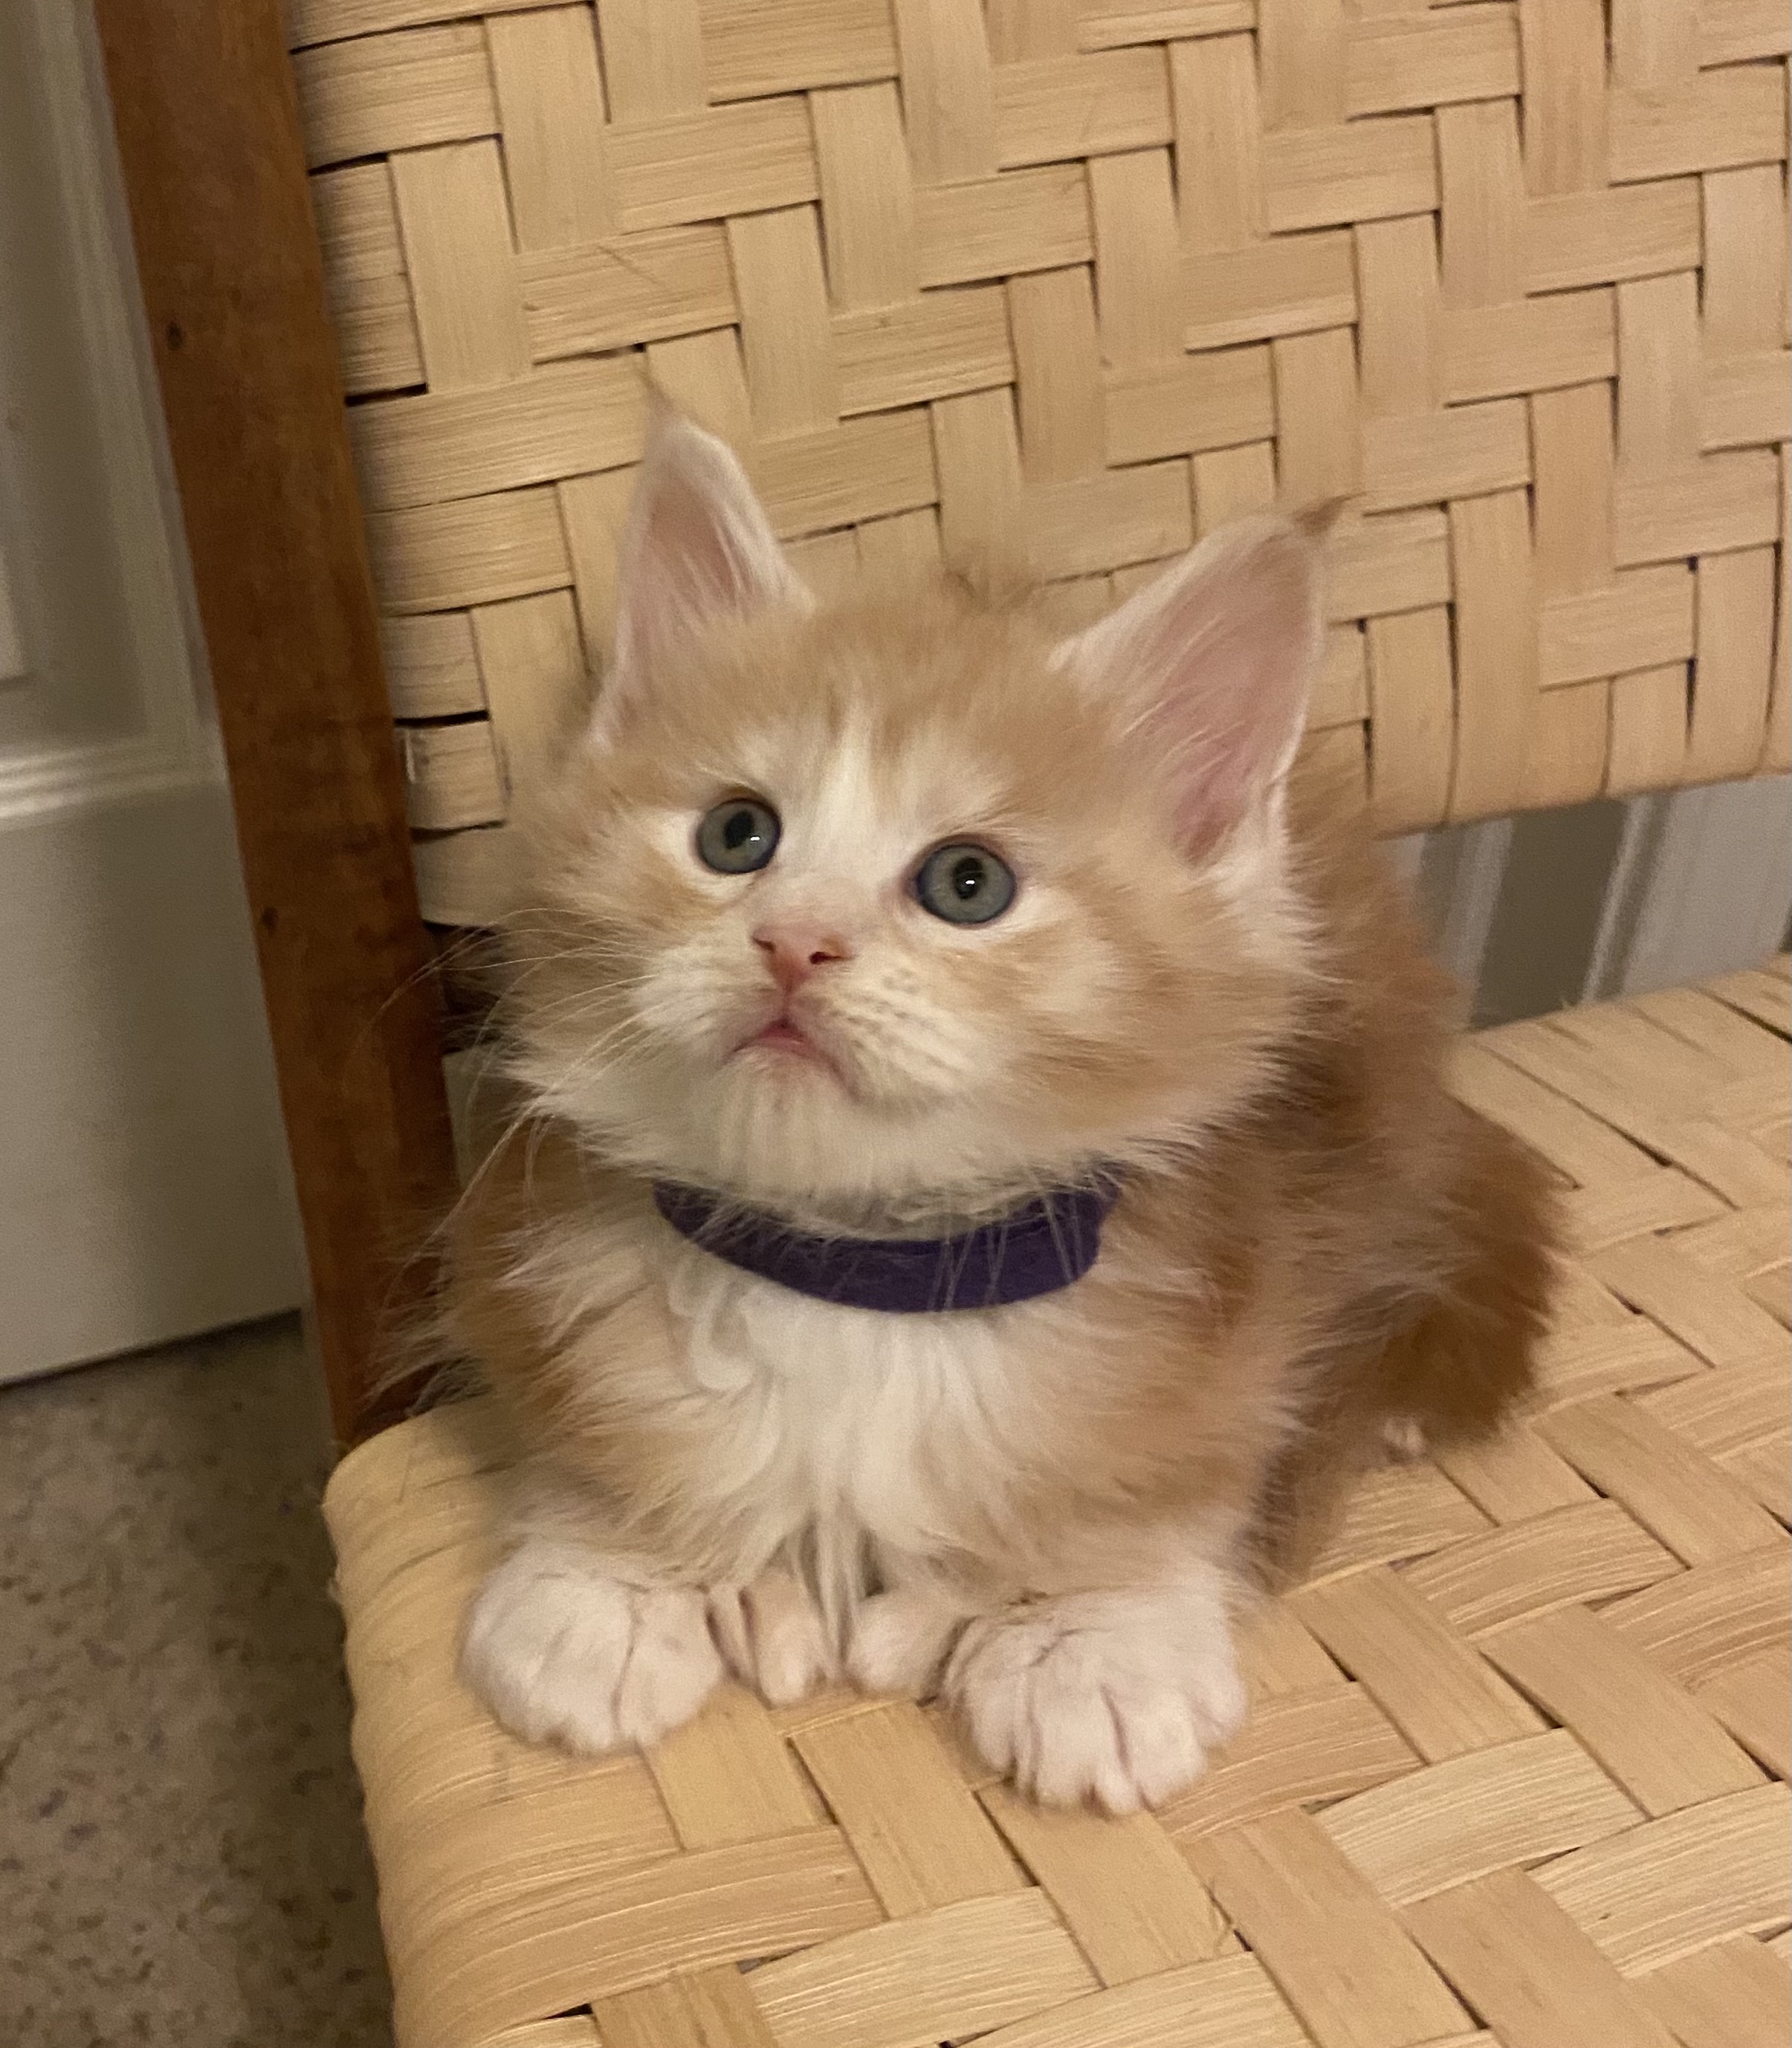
(964, 884)
(738, 836)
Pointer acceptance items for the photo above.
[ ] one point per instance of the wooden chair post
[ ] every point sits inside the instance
(215, 174)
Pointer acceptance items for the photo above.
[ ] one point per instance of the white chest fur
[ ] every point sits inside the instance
(854, 1424)
(854, 1446)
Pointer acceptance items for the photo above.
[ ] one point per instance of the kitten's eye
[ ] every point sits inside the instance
(964, 884)
(738, 836)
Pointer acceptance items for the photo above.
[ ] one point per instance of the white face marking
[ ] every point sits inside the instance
(862, 826)
(854, 830)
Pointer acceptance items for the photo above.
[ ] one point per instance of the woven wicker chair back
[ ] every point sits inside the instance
(1100, 273)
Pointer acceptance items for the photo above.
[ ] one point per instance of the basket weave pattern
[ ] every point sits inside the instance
(1090, 275)
(1516, 1756)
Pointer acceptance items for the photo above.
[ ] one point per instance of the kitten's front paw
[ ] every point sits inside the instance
(560, 1652)
(899, 1639)
(1086, 1699)
(773, 1635)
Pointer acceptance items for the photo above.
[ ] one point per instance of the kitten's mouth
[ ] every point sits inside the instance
(785, 1040)
(791, 1037)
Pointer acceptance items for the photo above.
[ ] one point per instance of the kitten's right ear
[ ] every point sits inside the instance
(697, 547)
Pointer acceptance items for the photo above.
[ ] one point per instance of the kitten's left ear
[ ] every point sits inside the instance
(697, 548)
(1215, 659)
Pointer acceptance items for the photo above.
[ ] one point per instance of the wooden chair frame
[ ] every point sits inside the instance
(208, 135)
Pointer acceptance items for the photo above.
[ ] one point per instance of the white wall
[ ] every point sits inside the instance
(143, 1185)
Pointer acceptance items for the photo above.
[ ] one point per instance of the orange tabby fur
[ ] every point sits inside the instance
(1351, 1248)
(1313, 1242)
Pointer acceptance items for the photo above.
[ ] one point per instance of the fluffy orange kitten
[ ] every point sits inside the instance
(881, 921)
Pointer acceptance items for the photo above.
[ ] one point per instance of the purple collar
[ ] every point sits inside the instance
(1044, 1245)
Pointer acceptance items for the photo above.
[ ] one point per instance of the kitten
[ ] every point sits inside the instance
(880, 921)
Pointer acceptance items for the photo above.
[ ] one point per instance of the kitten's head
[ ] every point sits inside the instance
(899, 906)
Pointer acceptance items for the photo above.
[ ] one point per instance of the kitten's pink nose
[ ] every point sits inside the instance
(793, 951)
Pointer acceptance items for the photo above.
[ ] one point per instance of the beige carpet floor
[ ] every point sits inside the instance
(181, 1864)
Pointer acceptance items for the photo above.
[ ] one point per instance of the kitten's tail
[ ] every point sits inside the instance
(1450, 1373)
(1469, 1360)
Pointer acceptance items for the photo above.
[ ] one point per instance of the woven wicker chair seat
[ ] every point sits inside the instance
(1516, 1759)
(1091, 276)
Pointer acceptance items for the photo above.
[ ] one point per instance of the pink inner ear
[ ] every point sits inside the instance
(685, 564)
(697, 547)
(1218, 655)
